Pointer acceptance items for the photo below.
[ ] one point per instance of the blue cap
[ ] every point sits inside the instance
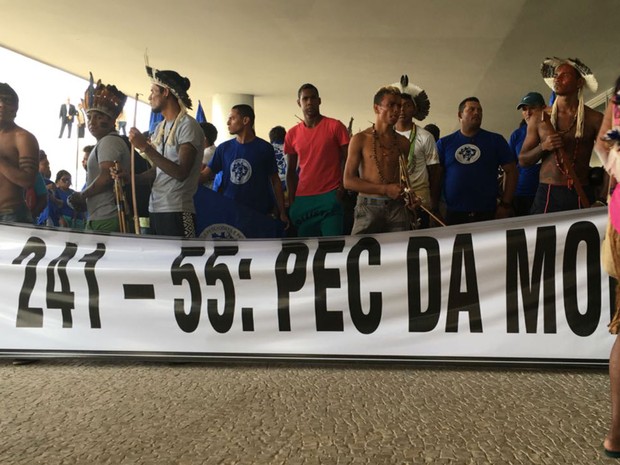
(532, 99)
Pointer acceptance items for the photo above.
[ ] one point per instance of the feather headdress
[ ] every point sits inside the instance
(106, 99)
(547, 69)
(172, 80)
(420, 99)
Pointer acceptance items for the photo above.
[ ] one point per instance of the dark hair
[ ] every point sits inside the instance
(468, 99)
(305, 87)
(434, 130)
(88, 148)
(387, 90)
(277, 134)
(245, 111)
(209, 131)
(7, 90)
(42, 155)
(61, 173)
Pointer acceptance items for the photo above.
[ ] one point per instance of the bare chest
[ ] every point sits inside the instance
(381, 159)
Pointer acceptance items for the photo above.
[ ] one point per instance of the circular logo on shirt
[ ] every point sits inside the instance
(240, 171)
(467, 154)
(221, 231)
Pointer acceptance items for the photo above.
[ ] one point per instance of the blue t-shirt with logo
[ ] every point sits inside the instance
(246, 172)
(470, 169)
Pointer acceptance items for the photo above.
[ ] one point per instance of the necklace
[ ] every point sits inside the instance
(572, 125)
(386, 152)
(167, 136)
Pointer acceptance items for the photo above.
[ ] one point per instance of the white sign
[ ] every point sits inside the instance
(525, 290)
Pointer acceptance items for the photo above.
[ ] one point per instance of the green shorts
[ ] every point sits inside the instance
(317, 215)
(109, 225)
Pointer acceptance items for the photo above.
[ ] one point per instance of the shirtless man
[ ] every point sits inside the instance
(562, 140)
(19, 159)
(373, 169)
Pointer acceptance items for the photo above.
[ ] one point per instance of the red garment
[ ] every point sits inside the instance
(318, 153)
(30, 196)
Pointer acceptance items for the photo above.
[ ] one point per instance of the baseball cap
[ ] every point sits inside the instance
(532, 99)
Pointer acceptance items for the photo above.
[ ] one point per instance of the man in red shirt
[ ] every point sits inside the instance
(320, 144)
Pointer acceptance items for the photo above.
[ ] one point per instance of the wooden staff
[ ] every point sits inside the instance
(570, 169)
(119, 197)
(134, 201)
(408, 193)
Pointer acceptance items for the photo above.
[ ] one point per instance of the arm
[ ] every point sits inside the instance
(510, 184)
(180, 171)
(101, 182)
(53, 196)
(531, 150)
(187, 155)
(25, 173)
(277, 189)
(206, 174)
(540, 139)
(147, 177)
(343, 161)
(291, 177)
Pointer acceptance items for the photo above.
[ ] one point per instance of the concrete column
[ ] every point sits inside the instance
(220, 108)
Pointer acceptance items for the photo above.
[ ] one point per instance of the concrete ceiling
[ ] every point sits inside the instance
(347, 48)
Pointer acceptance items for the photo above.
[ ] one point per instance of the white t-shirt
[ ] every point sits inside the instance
(424, 154)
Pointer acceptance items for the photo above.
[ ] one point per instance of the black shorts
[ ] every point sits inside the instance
(179, 224)
(553, 198)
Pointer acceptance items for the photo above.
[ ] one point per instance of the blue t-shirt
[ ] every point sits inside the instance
(470, 169)
(529, 176)
(246, 172)
(66, 210)
(49, 216)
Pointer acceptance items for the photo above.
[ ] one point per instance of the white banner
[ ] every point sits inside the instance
(520, 290)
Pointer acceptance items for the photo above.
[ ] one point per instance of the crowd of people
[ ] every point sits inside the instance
(317, 178)
(320, 180)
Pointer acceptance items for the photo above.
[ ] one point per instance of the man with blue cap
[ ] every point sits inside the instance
(528, 175)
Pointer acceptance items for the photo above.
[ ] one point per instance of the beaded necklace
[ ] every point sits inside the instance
(564, 170)
(377, 141)
(572, 125)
